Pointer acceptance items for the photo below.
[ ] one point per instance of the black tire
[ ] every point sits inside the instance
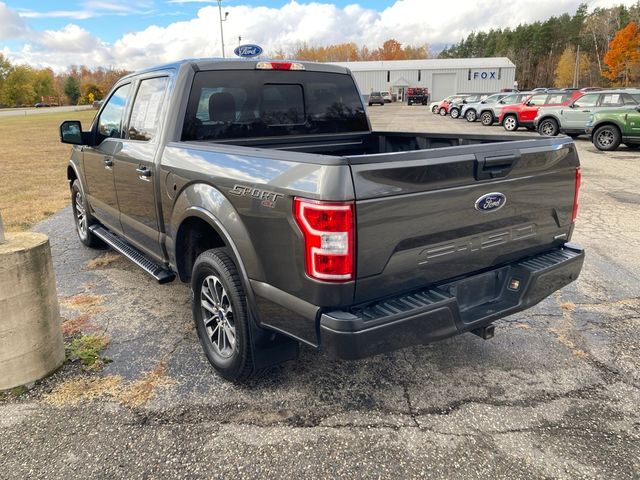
(235, 362)
(434, 109)
(454, 112)
(510, 123)
(82, 217)
(607, 138)
(486, 118)
(471, 116)
(443, 112)
(548, 127)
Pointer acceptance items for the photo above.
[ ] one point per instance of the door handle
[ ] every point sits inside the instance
(143, 171)
(586, 111)
(108, 162)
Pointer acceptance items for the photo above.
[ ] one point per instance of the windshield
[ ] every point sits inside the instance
(244, 104)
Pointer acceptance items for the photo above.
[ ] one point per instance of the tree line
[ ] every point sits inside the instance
(350, 52)
(23, 85)
(601, 48)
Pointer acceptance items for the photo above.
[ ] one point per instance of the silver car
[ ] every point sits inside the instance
(572, 119)
(470, 110)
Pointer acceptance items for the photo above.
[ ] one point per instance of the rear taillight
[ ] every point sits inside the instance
(329, 243)
(575, 195)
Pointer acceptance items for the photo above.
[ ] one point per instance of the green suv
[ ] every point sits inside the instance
(608, 128)
(572, 119)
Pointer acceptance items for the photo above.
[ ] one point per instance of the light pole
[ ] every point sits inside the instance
(226, 14)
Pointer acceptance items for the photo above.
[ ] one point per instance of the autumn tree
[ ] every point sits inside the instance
(566, 69)
(390, 50)
(18, 88)
(623, 58)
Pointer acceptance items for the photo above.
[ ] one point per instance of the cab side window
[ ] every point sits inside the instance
(110, 122)
(588, 100)
(145, 114)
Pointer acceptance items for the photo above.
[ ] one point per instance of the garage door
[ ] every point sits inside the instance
(443, 85)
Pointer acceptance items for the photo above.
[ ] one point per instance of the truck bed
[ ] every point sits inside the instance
(416, 193)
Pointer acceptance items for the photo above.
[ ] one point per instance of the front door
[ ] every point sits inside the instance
(99, 159)
(135, 170)
(576, 115)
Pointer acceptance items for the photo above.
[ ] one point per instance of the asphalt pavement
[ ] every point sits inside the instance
(554, 395)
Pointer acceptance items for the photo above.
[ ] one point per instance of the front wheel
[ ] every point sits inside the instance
(548, 128)
(82, 217)
(220, 314)
(455, 113)
(487, 119)
(606, 138)
(510, 123)
(471, 116)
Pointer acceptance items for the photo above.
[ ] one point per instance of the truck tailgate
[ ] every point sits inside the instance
(418, 221)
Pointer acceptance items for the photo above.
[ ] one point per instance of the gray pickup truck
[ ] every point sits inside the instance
(262, 184)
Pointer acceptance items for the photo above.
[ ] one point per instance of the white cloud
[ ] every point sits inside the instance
(408, 21)
(11, 24)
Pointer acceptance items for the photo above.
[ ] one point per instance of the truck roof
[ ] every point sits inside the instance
(215, 63)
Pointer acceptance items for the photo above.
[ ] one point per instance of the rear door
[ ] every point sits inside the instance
(135, 172)
(575, 116)
(99, 159)
(421, 217)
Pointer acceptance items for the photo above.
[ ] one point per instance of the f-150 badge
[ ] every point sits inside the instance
(491, 202)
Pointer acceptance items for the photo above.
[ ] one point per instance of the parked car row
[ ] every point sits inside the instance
(608, 117)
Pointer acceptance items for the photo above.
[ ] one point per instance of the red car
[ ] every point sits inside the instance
(443, 108)
(522, 115)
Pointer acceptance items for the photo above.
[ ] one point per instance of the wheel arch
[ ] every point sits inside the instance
(608, 122)
(201, 213)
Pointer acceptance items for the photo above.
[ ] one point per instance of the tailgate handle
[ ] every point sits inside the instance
(495, 166)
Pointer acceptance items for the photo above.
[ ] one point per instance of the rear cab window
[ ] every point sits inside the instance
(236, 104)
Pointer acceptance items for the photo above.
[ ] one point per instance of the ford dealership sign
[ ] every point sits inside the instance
(248, 51)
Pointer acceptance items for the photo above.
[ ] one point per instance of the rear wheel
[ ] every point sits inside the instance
(487, 119)
(220, 314)
(82, 217)
(606, 138)
(455, 113)
(548, 127)
(510, 123)
(471, 116)
(443, 112)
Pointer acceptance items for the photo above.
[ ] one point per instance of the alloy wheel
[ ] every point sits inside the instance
(81, 215)
(510, 123)
(605, 138)
(217, 316)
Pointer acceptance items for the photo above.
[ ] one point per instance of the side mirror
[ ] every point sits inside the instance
(71, 132)
(573, 105)
(528, 103)
(638, 107)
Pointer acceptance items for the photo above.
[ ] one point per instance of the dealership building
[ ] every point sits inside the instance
(442, 76)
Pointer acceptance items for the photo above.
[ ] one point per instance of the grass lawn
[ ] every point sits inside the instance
(33, 167)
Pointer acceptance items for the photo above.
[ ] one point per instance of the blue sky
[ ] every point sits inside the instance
(110, 23)
(135, 34)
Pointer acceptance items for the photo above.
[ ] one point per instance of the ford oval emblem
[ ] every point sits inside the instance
(248, 51)
(491, 202)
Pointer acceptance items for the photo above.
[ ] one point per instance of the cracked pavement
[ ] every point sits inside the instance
(554, 395)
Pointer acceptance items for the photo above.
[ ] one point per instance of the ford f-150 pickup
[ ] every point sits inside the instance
(262, 184)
